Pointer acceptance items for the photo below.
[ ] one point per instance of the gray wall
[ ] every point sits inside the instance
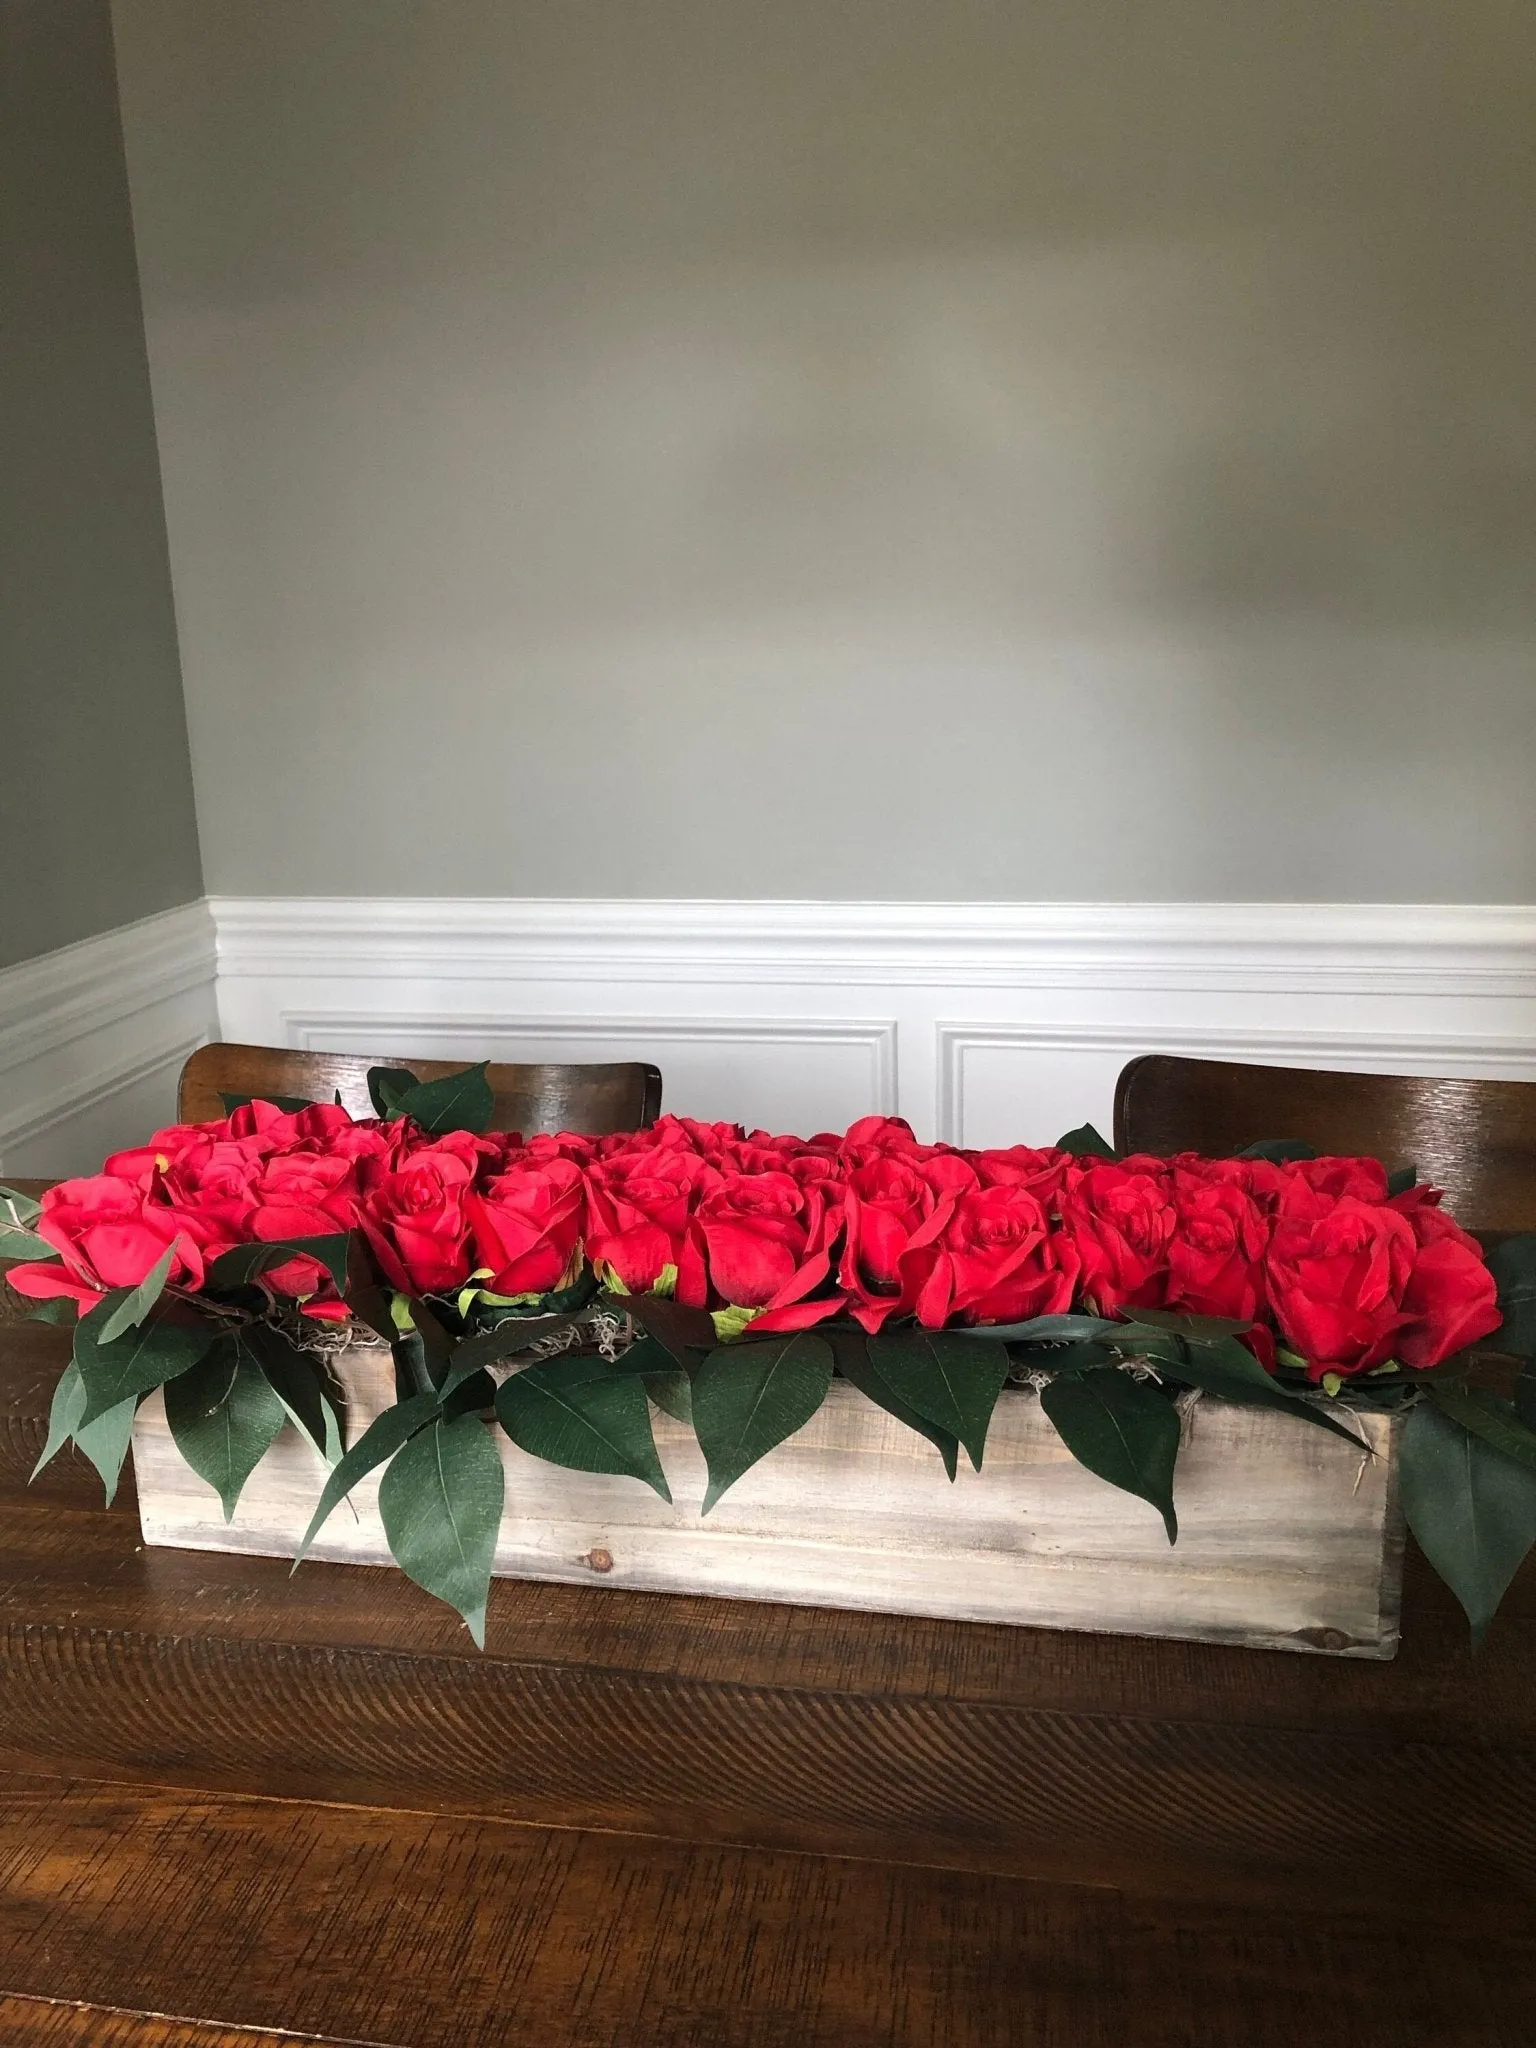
(712, 447)
(95, 784)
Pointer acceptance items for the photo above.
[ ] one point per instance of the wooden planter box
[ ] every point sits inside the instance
(1287, 1538)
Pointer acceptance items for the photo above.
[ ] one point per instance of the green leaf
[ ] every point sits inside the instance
(19, 1208)
(1471, 1509)
(64, 1416)
(289, 1104)
(59, 1308)
(242, 1265)
(386, 1085)
(951, 1381)
(1199, 1327)
(224, 1415)
(441, 1503)
(1086, 1143)
(854, 1364)
(1039, 1330)
(672, 1392)
(141, 1299)
(1223, 1367)
(157, 1351)
(299, 1381)
(18, 1243)
(686, 1332)
(1513, 1266)
(749, 1397)
(1122, 1429)
(1496, 1422)
(380, 1440)
(583, 1413)
(105, 1442)
(1399, 1183)
(504, 1340)
(1525, 1397)
(458, 1102)
(1278, 1150)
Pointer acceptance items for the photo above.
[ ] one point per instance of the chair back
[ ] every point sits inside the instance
(1475, 1139)
(594, 1099)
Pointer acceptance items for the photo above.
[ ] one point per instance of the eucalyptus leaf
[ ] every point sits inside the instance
(952, 1381)
(223, 1415)
(385, 1087)
(1123, 1430)
(1485, 1415)
(16, 1242)
(289, 1104)
(1086, 1143)
(380, 1440)
(853, 1363)
(583, 1413)
(749, 1397)
(458, 1102)
(22, 1209)
(141, 1299)
(440, 1502)
(1472, 1510)
(298, 1379)
(246, 1262)
(105, 1442)
(64, 1415)
(161, 1348)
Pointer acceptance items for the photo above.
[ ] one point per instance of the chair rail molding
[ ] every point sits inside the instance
(93, 1036)
(984, 1023)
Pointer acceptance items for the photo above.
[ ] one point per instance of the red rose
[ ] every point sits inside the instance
(527, 1226)
(1365, 1179)
(990, 1256)
(885, 1201)
(638, 1209)
(1265, 1180)
(416, 1220)
(1121, 1220)
(1450, 1294)
(760, 1240)
(110, 1234)
(1337, 1274)
(1216, 1253)
(1043, 1171)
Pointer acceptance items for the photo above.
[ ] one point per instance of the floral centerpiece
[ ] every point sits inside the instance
(566, 1284)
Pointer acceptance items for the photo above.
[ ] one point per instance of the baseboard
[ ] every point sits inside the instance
(93, 1036)
(978, 1022)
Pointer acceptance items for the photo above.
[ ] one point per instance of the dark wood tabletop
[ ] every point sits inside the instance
(242, 1807)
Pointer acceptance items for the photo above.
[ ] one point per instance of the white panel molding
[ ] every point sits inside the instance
(92, 1036)
(478, 1036)
(1011, 1020)
(1356, 948)
(958, 1045)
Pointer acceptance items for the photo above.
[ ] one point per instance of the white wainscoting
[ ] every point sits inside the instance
(92, 1038)
(983, 1023)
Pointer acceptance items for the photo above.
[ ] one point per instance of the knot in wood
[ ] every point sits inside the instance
(600, 1560)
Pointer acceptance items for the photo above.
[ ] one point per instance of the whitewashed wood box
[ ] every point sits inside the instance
(1288, 1538)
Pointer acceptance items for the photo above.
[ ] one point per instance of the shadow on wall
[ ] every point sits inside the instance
(952, 418)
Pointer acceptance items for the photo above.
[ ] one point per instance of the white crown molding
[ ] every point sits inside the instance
(1368, 949)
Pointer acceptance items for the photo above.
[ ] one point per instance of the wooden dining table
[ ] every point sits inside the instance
(243, 1805)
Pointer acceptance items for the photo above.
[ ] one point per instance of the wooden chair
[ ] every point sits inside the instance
(595, 1099)
(1475, 1139)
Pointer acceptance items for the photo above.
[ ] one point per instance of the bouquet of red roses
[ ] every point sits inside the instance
(570, 1281)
